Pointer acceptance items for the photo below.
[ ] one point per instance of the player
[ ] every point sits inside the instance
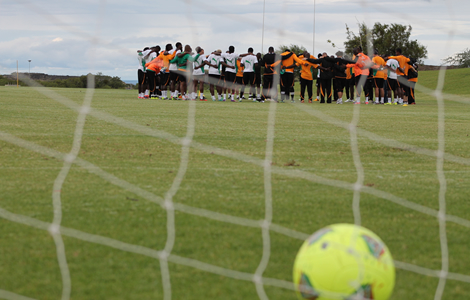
(230, 63)
(214, 63)
(174, 75)
(166, 56)
(360, 65)
(401, 79)
(153, 68)
(249, 61)
(269, 89)
(306, 78)
(392, 66)
(339, 77)
(412, 80)
(350, 83)
(239, 79)
(198, 74)
(141, 78)
(379, 77)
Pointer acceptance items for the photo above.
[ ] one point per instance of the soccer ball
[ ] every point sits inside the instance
(344, 262)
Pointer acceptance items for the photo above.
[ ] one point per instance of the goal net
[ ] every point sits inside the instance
(173, 199)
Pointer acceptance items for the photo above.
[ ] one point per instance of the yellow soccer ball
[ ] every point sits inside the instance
(344, 262)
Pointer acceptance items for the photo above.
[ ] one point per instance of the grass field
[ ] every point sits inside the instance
(232, 184)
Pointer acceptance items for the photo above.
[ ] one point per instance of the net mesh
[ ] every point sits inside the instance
(266, 225)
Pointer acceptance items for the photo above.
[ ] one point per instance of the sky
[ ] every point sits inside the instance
(80, 37)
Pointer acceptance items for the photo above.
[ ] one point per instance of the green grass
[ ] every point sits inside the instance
(28, 260)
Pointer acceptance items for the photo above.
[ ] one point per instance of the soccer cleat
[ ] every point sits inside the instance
(388, 103)
(367, 102)
(254, 100)
(240, 100)
(377, 102)
(405, 104)
(339, 102)
(232, 100)
(357, 102)
(316, 100)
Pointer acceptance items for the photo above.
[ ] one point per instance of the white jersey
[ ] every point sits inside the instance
(393, 64)
(145, 59)
(230, 60)
(197, 63)
(173, 66)
(214, 60)
(140, 58)
(249, 62)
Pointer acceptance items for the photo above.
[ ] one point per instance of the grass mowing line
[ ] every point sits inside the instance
(168, 204)
(438, 94)
(105, 241)
(382, 140)
(256, 161)
(12, 296)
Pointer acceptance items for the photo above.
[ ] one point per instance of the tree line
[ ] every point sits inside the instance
(101, 82)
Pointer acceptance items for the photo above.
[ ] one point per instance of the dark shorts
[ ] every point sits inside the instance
(379, 82)
(249, 78)
(340, 83)
(230, 77)
(214, 79)
(351, 81)
(257, 79)
(164, 79)
(239, 80)
(392, 84)
(141, 76)
(174, 76)
(401, 81)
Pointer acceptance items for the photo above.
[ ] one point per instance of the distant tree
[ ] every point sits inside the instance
(461, 60)
(297, 49)
(386, 38)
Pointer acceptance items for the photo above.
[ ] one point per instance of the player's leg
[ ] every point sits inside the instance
(309, 85)
(303, 86)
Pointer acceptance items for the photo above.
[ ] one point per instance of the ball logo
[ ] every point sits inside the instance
(376, 248)
(306, 288)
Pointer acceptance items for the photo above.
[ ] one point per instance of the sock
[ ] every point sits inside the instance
(258, 96)
(233, 96)
(389, 100)
(201, 96)
(358, 99)
(367, 99)
(376, 99)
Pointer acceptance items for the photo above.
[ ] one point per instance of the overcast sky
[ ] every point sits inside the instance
(78, 37)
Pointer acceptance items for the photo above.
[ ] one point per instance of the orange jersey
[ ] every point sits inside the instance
(402, 61)
(155, 65)
(166, 60)
(379, 62)
(361, 67)
(306, 71)
(287, 60)
(240, 69)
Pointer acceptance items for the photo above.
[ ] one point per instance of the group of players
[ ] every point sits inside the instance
(184, 73)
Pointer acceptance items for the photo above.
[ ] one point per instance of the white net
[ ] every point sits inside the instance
(273, 23)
